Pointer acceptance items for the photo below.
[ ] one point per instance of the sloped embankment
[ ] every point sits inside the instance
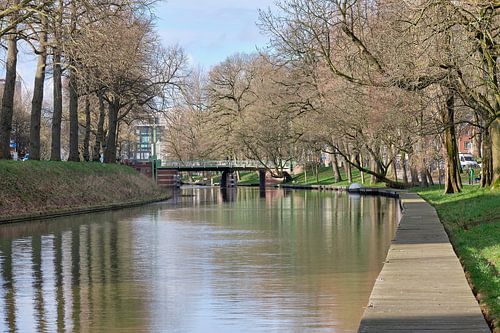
(37, 188)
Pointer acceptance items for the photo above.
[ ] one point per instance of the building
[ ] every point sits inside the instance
(465, 141)
(145, 142)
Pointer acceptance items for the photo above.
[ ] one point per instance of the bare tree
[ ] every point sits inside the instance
(409, 45)
(57, 26)
(36, 104)
(9, 87)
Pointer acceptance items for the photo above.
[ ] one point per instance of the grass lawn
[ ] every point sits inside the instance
(249, 178)
(472, 220)
(325, 177)
(37, 187)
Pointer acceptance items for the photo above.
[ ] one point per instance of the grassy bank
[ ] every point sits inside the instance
(43, 187)
(324, 177)
(472, 220)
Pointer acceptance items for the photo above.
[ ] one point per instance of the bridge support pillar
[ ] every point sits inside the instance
(262, 180)
(227, 179)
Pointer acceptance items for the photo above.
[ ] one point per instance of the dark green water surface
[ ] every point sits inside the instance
(208, 261)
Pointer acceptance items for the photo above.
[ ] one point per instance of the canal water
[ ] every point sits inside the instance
(207, 261)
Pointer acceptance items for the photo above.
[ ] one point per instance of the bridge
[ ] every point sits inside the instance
(227, 167)
(246, 165)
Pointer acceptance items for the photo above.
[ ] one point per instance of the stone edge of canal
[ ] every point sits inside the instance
(81, 210)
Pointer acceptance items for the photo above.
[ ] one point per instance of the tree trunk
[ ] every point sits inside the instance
(361, 163)
(452, 182)
(110, 151)
(495, 147)
(100, 130)
(335, 167)
(374, 167)
(429, 176)
(394, 169)
(487, 161)
(74, 155)
(36, 102)
(86, 139)
(423, 177)
(316, 172)
(403, 166)
(477, 139)
(55, 147)
(378, 168)
(335, 164)
(348, 170)
(118, 145)
(8, 96)
(414, 176)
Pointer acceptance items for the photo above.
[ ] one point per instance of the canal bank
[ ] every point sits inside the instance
(386, 192)
(43, 189)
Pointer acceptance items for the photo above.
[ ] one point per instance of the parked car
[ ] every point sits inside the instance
(467, 161)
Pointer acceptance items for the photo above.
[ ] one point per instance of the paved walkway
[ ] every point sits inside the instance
(422, 287)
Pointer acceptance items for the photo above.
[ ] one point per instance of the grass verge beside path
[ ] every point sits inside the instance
(472, 221)
(43, 187)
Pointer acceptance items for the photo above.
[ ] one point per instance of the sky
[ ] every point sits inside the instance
(210, 31)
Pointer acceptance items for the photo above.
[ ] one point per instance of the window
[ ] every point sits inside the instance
(143, 143)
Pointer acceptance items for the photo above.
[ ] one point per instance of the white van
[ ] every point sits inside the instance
(467, 161)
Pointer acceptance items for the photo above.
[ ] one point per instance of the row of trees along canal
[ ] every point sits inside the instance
(105, 56)
(370, 82)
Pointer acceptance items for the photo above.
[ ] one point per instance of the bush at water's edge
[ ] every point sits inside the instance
(38, 187)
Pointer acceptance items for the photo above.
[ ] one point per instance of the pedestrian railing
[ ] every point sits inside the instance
(251, 164)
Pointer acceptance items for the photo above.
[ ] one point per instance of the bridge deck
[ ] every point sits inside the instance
(212, 168)
(246, 165)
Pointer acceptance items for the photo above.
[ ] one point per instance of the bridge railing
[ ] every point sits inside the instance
(213, 164)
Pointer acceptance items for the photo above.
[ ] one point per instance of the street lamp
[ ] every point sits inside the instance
(154, 140)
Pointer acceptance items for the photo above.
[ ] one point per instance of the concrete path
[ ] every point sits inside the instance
(422, 287)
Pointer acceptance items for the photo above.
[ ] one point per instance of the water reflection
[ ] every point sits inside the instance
(206, 262)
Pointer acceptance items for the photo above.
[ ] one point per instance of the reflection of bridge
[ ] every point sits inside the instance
(227, 168)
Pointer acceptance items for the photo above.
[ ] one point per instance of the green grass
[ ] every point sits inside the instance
(249, 178)
(36, 187)
(472, 220)
(325, 177)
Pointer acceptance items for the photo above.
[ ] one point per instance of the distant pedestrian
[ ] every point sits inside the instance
(471, 176)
